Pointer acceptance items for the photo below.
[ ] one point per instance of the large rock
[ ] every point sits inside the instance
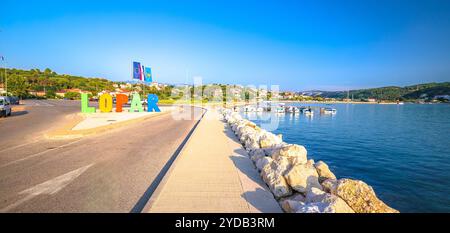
(292, 203)
(244, 132)
(257, 154)
(358, 195)
(268, 140)
(333, 204)
(316, 207)
(303, 177)
(275, 180)
(262, 162)
(251, 143)
(295, 154)
(328, 185)
(324, 171)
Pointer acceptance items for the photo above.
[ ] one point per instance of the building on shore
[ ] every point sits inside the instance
(37, 93)
(62, 93)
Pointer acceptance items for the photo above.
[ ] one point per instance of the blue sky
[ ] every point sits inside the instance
(299, 45)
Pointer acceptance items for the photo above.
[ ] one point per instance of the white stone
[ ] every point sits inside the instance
(296, 154)
(302, 177)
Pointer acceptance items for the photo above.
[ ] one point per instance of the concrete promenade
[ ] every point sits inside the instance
(213, 174)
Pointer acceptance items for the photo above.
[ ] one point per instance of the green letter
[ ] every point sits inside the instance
(136, 103)
(85, 104)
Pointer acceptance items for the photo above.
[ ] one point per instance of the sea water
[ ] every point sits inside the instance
(402, 151)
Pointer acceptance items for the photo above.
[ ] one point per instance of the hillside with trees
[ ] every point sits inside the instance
(392, 93)
(22, 83)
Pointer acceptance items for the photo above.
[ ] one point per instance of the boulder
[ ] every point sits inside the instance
(358, 195)
(295, 154)
(268, 140)
(275, 181)
(262, 162)
(316, 207)
(328, 185)
(256, 155)
(303, 177)
(251, 124)
(251, 145)
(323, 171)
(292, 203)
(333, 204)
(281, 165)
(310, 162)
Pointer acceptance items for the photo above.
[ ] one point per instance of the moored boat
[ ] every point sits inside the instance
(329, 111)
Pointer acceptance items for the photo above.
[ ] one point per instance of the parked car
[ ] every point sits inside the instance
(5, 107)
(13, 100)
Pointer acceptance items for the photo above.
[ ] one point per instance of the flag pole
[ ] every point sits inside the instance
(6, 77)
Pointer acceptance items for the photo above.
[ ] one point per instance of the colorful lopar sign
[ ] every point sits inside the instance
(105, 103)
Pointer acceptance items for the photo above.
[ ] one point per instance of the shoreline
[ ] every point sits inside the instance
(299, 184)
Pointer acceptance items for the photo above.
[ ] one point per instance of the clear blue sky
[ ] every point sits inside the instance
(299, 45)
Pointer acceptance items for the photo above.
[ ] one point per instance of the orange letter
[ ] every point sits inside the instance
(120, 100)
(105, 103)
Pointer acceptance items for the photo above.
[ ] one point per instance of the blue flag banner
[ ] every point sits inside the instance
(137, 73)
(148, 74)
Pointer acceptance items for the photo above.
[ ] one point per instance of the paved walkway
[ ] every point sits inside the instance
(98, 119)
(213, 174)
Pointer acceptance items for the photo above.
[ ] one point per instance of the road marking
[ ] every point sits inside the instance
(49, 187)
(18, 146)
(39, 103)
(37, 154)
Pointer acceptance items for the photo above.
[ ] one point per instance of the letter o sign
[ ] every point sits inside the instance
(105, 103)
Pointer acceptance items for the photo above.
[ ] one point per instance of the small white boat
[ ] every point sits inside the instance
(259, 109)
(280, 109)
(329, 111)
(290, 109)
(296, 110)
(236, 109)
(308, 112)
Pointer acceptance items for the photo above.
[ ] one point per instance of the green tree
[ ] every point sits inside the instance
(50, 94)
(18, 86)
(72, 95)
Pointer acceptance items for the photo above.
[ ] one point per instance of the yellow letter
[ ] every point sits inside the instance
(105, 103)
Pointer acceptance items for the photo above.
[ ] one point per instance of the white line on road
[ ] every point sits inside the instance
(39, 103)
(49, 187)
(37, 154)
(18, 146)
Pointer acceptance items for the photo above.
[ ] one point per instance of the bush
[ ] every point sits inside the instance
(72, 95)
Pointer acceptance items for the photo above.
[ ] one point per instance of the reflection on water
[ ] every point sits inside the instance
(400, 150)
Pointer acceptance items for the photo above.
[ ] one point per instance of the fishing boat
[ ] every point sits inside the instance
(308, 111)
(280, 108)
(296, 110)
(329, 111)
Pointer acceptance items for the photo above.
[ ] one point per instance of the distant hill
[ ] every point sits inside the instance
(392, 93)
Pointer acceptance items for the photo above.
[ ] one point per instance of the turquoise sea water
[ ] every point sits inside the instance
(402, 151)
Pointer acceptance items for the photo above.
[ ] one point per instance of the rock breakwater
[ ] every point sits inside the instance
(301, 185)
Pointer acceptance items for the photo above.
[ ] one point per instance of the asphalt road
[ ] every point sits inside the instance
(108, 172)
(32, 120)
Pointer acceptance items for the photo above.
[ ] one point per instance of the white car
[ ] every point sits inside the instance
(5, 108)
